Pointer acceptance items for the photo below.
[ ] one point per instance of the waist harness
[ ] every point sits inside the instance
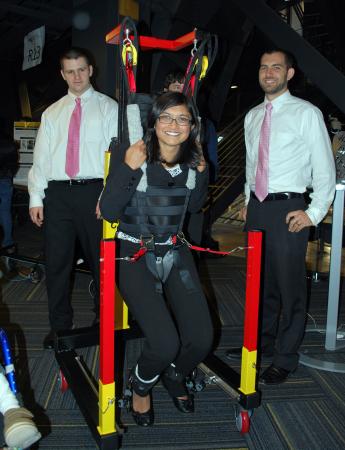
(155, 213)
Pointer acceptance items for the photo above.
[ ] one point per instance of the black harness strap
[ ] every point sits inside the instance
(208, 47)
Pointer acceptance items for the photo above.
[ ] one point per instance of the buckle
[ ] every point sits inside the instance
(181, 237)
(148, 242)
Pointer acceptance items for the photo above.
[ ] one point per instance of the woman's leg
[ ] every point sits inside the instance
(150, 311)
(192, 316)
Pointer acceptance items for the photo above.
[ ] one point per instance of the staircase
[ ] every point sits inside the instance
(231, 158)
(318, 29)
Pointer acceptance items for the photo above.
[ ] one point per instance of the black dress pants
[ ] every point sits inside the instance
(69, 212)
(177, 324)
(284, 290)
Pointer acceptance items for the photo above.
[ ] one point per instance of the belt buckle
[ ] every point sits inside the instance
(148, 242)
(181, 237)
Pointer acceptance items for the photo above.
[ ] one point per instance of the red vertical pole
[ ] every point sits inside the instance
(252, 290)
(107, 313)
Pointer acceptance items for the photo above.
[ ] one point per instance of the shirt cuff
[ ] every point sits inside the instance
(314, 215)
(35, 201)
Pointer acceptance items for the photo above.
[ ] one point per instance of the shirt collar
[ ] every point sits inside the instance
(84, 97)
(278, 101)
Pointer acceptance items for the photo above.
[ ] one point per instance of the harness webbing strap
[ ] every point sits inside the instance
(195, 71)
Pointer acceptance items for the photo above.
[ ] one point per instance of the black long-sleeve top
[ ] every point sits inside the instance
(122, 182)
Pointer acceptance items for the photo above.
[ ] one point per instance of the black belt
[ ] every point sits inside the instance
(79, 182)
(278, 196)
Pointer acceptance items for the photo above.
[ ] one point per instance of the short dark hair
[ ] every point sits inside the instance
(190, 149)
(74, 53)
(289, 58)
(172, 77)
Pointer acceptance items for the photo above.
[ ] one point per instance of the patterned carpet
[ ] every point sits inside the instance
(305, 413)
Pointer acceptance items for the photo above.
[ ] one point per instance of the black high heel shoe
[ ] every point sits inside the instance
(175, 382)
(184, 405)
(142, 389)
(144, 419)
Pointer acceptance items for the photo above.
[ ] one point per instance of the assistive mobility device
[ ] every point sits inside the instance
(97, 400)
(8, 362)
(243, 386)
(19, 430)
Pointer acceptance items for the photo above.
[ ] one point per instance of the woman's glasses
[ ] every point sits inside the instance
(180, 120)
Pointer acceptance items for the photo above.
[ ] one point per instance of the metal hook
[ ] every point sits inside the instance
(195, 48)
(127, 39)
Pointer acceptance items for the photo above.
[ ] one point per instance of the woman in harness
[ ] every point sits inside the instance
(149, 190)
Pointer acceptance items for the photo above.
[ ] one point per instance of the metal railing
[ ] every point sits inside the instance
(231, 160)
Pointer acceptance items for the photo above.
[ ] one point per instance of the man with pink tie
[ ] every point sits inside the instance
(287, 150)
(66, 180)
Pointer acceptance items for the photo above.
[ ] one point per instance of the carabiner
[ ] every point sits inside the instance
(195, 48)
(129, 55)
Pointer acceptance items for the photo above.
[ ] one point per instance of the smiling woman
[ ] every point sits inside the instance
(172, 129)
(172, 132)
(150, 191)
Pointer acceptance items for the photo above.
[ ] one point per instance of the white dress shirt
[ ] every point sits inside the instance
(99, 120)
(300, 152)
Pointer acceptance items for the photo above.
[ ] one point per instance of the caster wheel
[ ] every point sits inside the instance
(189, 385)
(194, 374)
(125, 401)
(243, 421)
(199, 386)
(10, 265)
(194, 383)
(92, 289)
(62, 382)
(36, 275)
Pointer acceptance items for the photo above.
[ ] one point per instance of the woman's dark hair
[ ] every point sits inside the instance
(190, 149)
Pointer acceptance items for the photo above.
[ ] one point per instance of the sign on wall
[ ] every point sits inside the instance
(25, 134)
(33, 48)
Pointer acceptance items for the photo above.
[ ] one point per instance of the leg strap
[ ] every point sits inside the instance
(139, 385)
(174, 382)
(160, 267)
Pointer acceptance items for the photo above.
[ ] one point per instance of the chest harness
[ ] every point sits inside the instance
(156, 214)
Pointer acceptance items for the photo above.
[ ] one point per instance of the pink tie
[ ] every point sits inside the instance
(261, 179)
(72, 152)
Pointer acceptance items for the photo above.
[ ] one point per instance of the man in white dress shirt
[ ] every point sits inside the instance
(68, 207)
(300, 155)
